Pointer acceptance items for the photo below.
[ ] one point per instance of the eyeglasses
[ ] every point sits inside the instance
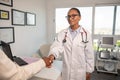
(73, 16)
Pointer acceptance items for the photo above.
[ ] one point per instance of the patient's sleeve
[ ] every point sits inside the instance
(11, 71)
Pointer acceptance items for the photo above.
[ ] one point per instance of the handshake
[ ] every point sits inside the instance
(48, 60)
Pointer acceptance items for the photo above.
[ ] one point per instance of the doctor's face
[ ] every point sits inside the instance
(73, 17)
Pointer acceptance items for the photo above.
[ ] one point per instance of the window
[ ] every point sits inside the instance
(104, 20)
(61, 21)
(117, 27)
(86, 18)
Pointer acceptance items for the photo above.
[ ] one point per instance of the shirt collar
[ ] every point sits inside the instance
(77, 30)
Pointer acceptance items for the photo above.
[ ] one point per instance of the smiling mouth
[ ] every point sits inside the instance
(71, 22)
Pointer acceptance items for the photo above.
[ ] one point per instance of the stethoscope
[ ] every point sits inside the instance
(83, 40)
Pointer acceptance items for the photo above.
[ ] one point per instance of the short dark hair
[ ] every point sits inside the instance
(76, 10)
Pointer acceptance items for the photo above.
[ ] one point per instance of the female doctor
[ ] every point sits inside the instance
(74, 44)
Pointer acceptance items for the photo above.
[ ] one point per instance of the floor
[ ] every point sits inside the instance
(104, 76)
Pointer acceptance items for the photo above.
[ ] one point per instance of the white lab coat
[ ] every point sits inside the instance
(11, 71)
(78, 57)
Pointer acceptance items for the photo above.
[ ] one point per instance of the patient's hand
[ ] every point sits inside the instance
(47, 61)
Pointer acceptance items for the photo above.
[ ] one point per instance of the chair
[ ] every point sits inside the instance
(44, 50)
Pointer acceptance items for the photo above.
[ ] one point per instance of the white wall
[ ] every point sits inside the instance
(27, 38)
(52, 4)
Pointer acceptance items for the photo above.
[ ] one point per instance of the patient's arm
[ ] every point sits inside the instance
(11, 71)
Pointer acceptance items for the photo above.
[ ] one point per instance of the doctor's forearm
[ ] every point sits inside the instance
(89, 58)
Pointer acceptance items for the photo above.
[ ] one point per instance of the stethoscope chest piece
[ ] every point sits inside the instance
(64, 40)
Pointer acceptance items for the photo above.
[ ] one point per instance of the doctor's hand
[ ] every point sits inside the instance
(47, 61)
(88, 76)
(52, 58)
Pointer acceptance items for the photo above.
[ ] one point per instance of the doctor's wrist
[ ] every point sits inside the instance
(52, 57)
(88, 76)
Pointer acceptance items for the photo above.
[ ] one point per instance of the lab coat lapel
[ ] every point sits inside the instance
(69, 37)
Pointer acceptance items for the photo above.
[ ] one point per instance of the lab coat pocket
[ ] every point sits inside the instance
(81, 44)
(81, 47)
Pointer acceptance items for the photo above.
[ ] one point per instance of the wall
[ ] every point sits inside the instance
(27, 38)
